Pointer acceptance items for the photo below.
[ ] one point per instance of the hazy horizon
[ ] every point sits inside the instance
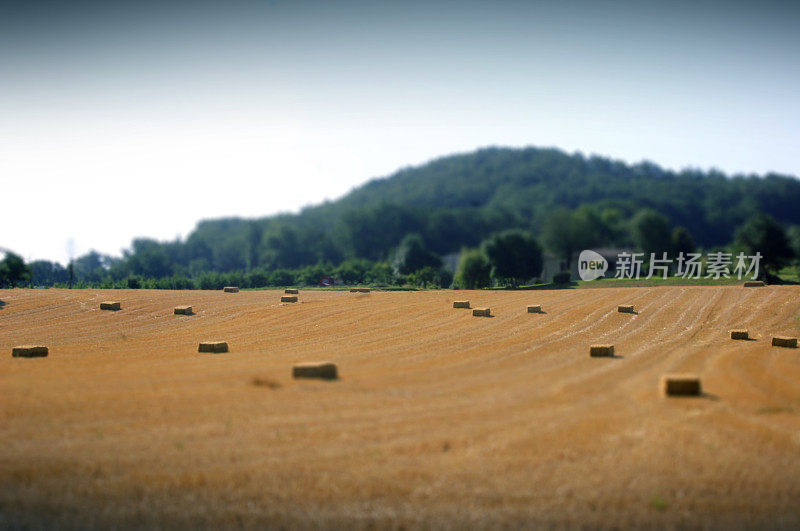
(140, 119)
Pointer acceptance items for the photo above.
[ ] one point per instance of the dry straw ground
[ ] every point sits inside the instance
(438, 419)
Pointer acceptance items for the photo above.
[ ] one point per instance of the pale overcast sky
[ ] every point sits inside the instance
(120, 120)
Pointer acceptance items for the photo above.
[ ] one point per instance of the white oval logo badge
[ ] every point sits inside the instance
(591, 265)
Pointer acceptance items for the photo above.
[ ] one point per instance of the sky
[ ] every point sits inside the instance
(138, 119)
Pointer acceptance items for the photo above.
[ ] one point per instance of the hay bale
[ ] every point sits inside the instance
(291, 291)
(29, 351)
(481, 312)
(787, 342)
(535, 309)
(601, 351)
(460, 304)
(315, 369)
(112, 306)
(364, 290)
(289, 298)
(754, 284)
(183, 310)
(681, 385)
(626, 308)
(740, 334)
(213, 346)
(230, 289)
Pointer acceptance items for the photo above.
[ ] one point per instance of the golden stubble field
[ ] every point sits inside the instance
(439, 419)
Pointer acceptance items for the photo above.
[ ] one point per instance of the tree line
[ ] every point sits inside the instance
(564, 202)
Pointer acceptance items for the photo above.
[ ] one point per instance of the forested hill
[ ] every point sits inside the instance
(458, 201)
(528, 183)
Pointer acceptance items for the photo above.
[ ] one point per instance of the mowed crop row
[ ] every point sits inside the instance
(438, 417)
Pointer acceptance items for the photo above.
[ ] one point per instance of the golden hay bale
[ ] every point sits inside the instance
(601, 351)
(681, 385)
(481, 312)
(289, 298)
(183, 310)
(113, 306)
(315, 369)
(460, 304)
(754, 284)
(625, 308)
(230, 289)
(740, 334)
(535, 309)
(364, 290)
(291, 291)
(29, 351)
(213, 346)
(788, 342)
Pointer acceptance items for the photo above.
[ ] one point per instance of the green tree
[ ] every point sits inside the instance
(474, 270)
(651, 232)
(793, 234)
(515, 256)
(13, 270)
(380, 273)
(682, 241)
(761, 233)
(412, 255)
(566, 232)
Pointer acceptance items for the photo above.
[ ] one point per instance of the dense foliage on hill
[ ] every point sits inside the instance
(459, 201)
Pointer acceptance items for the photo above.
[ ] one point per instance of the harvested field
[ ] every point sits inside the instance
(438, 419)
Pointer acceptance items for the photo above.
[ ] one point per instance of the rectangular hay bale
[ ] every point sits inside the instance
(29, 351)
(601, 351)
(740, 334)
(681, 385)
(291, 291)
(183, 310)
(289, 298)
(460, 304)
(230, 289)
(625, 308)
(535, 309)
(315, 369)
(481, 312)
(754, 284)
(109, 305)
(213, 346)
(787, 342)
